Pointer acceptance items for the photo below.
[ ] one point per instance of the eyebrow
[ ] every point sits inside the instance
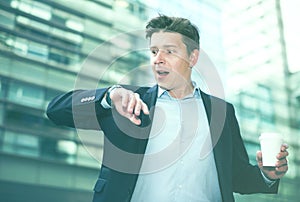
(166, 46)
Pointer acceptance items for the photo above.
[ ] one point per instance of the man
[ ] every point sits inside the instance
(170, 142)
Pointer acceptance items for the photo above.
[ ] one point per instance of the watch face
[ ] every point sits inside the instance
(113, 87)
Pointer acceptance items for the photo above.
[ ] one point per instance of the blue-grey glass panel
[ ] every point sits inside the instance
(22, 144)
(7, 19)
(26, 94)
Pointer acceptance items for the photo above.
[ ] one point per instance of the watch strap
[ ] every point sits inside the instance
(108, 99)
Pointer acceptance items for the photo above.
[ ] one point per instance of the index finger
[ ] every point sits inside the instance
(259, 155)
(284, 147)
(145, 108)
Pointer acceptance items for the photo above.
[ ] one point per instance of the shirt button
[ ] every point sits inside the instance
(180, 186)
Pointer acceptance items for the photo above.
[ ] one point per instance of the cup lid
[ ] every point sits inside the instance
(270, 135)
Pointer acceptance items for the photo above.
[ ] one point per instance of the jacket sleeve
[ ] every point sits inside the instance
(247, 178)
(78, 109)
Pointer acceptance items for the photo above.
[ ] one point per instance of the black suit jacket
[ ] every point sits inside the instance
(119, 171)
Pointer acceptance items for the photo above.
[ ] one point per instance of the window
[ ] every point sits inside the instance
(72, 60)
(37, 50)
(58, 56)
(59, 17)
(266, 104)
(1, 115)
(67, 150)
(1, 138)
(20, 46)
(62, 150)
(60, 80)
(26, 94)
(58, 20)
(7, 19)
(41, 10)
(75, 24)
(259, 104)
(26, 22)
(3, 88)
(4, 70)
(31, 72)
(23, 144)
(89, 45)
(66, 37)
(248, 101)
(22, 119)
(37, 9)
(48, 147)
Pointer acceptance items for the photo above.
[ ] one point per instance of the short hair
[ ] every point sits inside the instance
(189, 32)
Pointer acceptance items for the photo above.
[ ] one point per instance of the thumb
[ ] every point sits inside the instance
(259, 158)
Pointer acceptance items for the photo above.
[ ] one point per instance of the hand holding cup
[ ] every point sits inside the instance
(272, 159)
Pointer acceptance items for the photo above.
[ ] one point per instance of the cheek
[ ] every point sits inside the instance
(153, 69)
(179, 65)
(181, 59)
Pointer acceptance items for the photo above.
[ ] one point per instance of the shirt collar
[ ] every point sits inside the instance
(196, 92)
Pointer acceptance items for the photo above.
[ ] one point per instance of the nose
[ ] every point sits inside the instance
(159, 57)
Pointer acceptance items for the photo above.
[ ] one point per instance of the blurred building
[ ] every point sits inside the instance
(264, 82)
(50, 47)
(43, 45)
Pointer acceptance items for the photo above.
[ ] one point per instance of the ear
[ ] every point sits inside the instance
(194, 57)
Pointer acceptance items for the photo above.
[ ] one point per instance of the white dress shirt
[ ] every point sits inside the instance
(175, 168)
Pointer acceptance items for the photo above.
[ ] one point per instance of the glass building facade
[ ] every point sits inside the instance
(43, 45)
(50, 47)
(263, 84)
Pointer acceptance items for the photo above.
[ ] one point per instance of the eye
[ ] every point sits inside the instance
(154, 51)
(170, 51)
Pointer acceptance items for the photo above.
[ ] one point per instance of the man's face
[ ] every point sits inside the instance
(170, 61)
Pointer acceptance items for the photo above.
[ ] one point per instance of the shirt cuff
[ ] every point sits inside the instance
(104, 103)
(269, 182)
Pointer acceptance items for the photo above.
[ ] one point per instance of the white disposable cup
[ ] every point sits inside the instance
(270, 144)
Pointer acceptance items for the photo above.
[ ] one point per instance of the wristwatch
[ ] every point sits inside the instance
(108, 100)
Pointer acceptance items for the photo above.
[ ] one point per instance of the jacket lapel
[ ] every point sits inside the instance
(216, 114)
(149, 98)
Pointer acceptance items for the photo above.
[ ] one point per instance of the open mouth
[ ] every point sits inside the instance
(162, 73)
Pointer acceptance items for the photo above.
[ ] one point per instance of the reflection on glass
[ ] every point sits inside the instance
(23, 144)
(7, 19)
(26, 94)
(37, 9)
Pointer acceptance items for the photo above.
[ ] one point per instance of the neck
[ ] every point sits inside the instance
(182, 92)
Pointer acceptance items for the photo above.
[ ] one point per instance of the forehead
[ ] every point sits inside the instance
(159, 39)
